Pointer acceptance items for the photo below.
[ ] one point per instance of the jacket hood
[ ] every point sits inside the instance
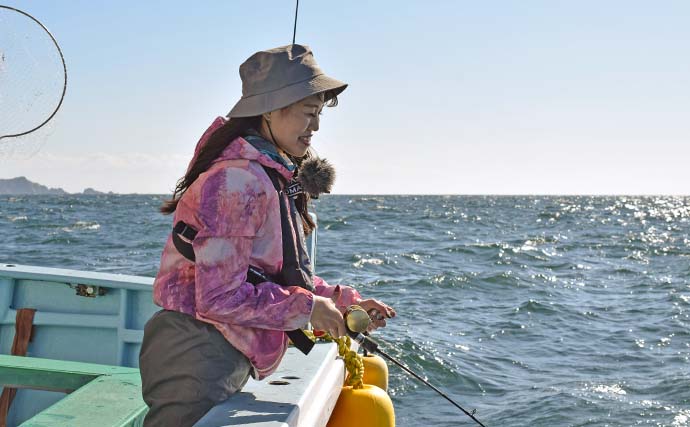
(241, 149)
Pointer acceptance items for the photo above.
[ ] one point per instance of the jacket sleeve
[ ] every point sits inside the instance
(348, 295)
(233, 206)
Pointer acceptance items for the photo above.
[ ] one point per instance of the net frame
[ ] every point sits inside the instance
(64, 68)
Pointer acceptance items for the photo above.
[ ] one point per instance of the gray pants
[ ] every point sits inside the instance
(187, 367)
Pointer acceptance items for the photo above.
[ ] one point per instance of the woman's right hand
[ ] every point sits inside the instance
(326, 317)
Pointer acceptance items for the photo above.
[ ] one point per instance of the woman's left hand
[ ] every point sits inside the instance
(378, 313)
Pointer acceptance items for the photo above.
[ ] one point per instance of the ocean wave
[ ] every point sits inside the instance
(533, 306)
(681, 418)
(82, 225)
(361, 262)
(333, 224)
(415, 257)
(613, 390)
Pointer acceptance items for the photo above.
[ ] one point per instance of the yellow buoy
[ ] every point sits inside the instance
(365, 407)
(375, 371)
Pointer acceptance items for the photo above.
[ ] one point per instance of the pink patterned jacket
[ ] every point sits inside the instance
(235, 209)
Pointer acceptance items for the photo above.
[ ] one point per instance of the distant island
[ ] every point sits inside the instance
(22, 186)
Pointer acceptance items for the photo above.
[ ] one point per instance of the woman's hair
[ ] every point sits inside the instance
(219, 141)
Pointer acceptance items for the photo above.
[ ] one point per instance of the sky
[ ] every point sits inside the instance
(445, 97)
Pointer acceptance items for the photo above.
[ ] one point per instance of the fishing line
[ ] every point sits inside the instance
(33, 74)
(372, 346)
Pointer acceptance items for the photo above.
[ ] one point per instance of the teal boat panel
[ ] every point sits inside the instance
(100, 395)
(108, 401)
(81, 316)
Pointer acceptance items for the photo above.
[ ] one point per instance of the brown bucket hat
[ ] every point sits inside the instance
(276, 78)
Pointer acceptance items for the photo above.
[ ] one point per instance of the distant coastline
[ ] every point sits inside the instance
(22, 186)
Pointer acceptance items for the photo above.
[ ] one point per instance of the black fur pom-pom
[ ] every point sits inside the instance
(316, 176)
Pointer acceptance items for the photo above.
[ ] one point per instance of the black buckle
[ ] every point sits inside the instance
(185, 230)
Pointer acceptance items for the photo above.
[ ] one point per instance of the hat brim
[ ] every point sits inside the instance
(270, 101)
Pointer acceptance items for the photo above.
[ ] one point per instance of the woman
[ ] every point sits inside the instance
(233, 220)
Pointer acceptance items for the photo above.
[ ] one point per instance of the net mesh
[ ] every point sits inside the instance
(32, 80)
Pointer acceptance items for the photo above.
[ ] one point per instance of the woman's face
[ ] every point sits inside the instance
(294, 125)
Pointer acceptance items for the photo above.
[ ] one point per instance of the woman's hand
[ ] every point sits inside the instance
(378, 312)
(326, 317)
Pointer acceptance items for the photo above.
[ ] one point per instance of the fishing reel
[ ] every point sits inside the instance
(357, 319)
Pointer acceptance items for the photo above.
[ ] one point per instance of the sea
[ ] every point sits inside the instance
(531, 310)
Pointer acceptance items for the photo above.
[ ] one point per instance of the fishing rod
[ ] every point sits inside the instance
(294, 31)
(357, 320)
